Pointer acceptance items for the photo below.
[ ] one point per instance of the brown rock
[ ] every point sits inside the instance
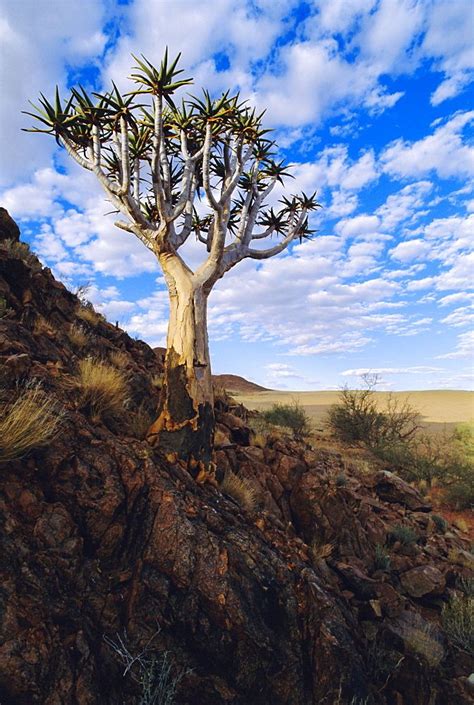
(9, 230)
(392, 488)
(423, 580)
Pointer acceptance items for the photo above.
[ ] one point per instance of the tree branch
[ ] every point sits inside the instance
(206, 168)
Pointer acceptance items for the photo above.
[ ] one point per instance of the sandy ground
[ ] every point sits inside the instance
(438, 409)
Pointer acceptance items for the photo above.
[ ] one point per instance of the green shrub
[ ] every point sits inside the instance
(440, 523)
(154, 673)
(358, 418)
(461, 493)
(381, 558)
(458, 621)
(404, 534)
(291, 416)
(341, 480)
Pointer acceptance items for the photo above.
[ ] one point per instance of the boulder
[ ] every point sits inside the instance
(9, 230)
(392, 488)
(423, 580)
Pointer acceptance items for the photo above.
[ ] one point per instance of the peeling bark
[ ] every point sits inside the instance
(185, 425)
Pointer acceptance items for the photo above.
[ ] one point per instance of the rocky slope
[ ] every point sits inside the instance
(284, 600)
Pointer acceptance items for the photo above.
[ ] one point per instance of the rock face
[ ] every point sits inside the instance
(102, 538)
(9, 230)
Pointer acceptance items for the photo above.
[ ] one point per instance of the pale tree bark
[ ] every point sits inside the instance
(185, 425)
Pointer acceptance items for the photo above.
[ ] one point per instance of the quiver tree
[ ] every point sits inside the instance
(203, 168)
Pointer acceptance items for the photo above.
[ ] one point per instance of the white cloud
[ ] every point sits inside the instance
(442, 152)
(359, 226)
(464, 348)
(38, 39)
(404, 204)
(449, 40)
(415, 370)
(410, 250)
(463, 316)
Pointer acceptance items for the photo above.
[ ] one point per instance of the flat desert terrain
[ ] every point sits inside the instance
(438, 409)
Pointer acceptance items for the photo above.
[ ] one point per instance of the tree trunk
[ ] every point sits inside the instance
(185, 425)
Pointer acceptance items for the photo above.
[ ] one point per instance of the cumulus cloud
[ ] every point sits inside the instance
(464, 348)
(443, 152)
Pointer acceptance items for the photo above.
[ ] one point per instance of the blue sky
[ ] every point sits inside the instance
(371, 100)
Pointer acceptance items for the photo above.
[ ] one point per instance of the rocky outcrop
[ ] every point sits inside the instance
(285, 603)
(9, 230)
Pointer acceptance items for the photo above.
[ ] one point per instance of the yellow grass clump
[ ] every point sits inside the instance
(77, 335)
(421, 638)
(240, 489)
(119, 358)
(31, 421)
(104, 389)
(157, 381)
(87, 314)
(43, 327)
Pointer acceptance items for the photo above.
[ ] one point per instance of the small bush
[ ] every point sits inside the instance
(78, 335)
(461, 493)
(291, 416)
(440, 523)
(31, 421)
(320, 550)
(140, 421)
(341, 480)
(43, 327)
(240, 489)
(381, 558)
(103, 388)
(458, 621)
(421, 638)
(466, 585)
(357, 417)
(119, 358)
(21, 250)
(5, 310)
(154, 673)
(404, 534)
(157, 381)
(89, 315)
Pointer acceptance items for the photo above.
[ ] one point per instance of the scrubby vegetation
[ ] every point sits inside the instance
(403, 534)
(155, 675)
(393, 435)
(78, 335)
(240, 489)
(291, 416)
(103, 388)
(458, 621)
(357, 417)
(21, 250)
(30, 421)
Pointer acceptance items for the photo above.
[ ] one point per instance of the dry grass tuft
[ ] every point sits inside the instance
(21, 250)
(119, 358)
(87, 314)
(458, 622)
(43, 327)
(157, 381)
(78, 336)
(320, 550)
(421, 638)
(104, 389)
(140, 421)
(31, 421)
(240, 489)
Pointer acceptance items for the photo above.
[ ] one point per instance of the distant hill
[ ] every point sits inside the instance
(234, 383)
